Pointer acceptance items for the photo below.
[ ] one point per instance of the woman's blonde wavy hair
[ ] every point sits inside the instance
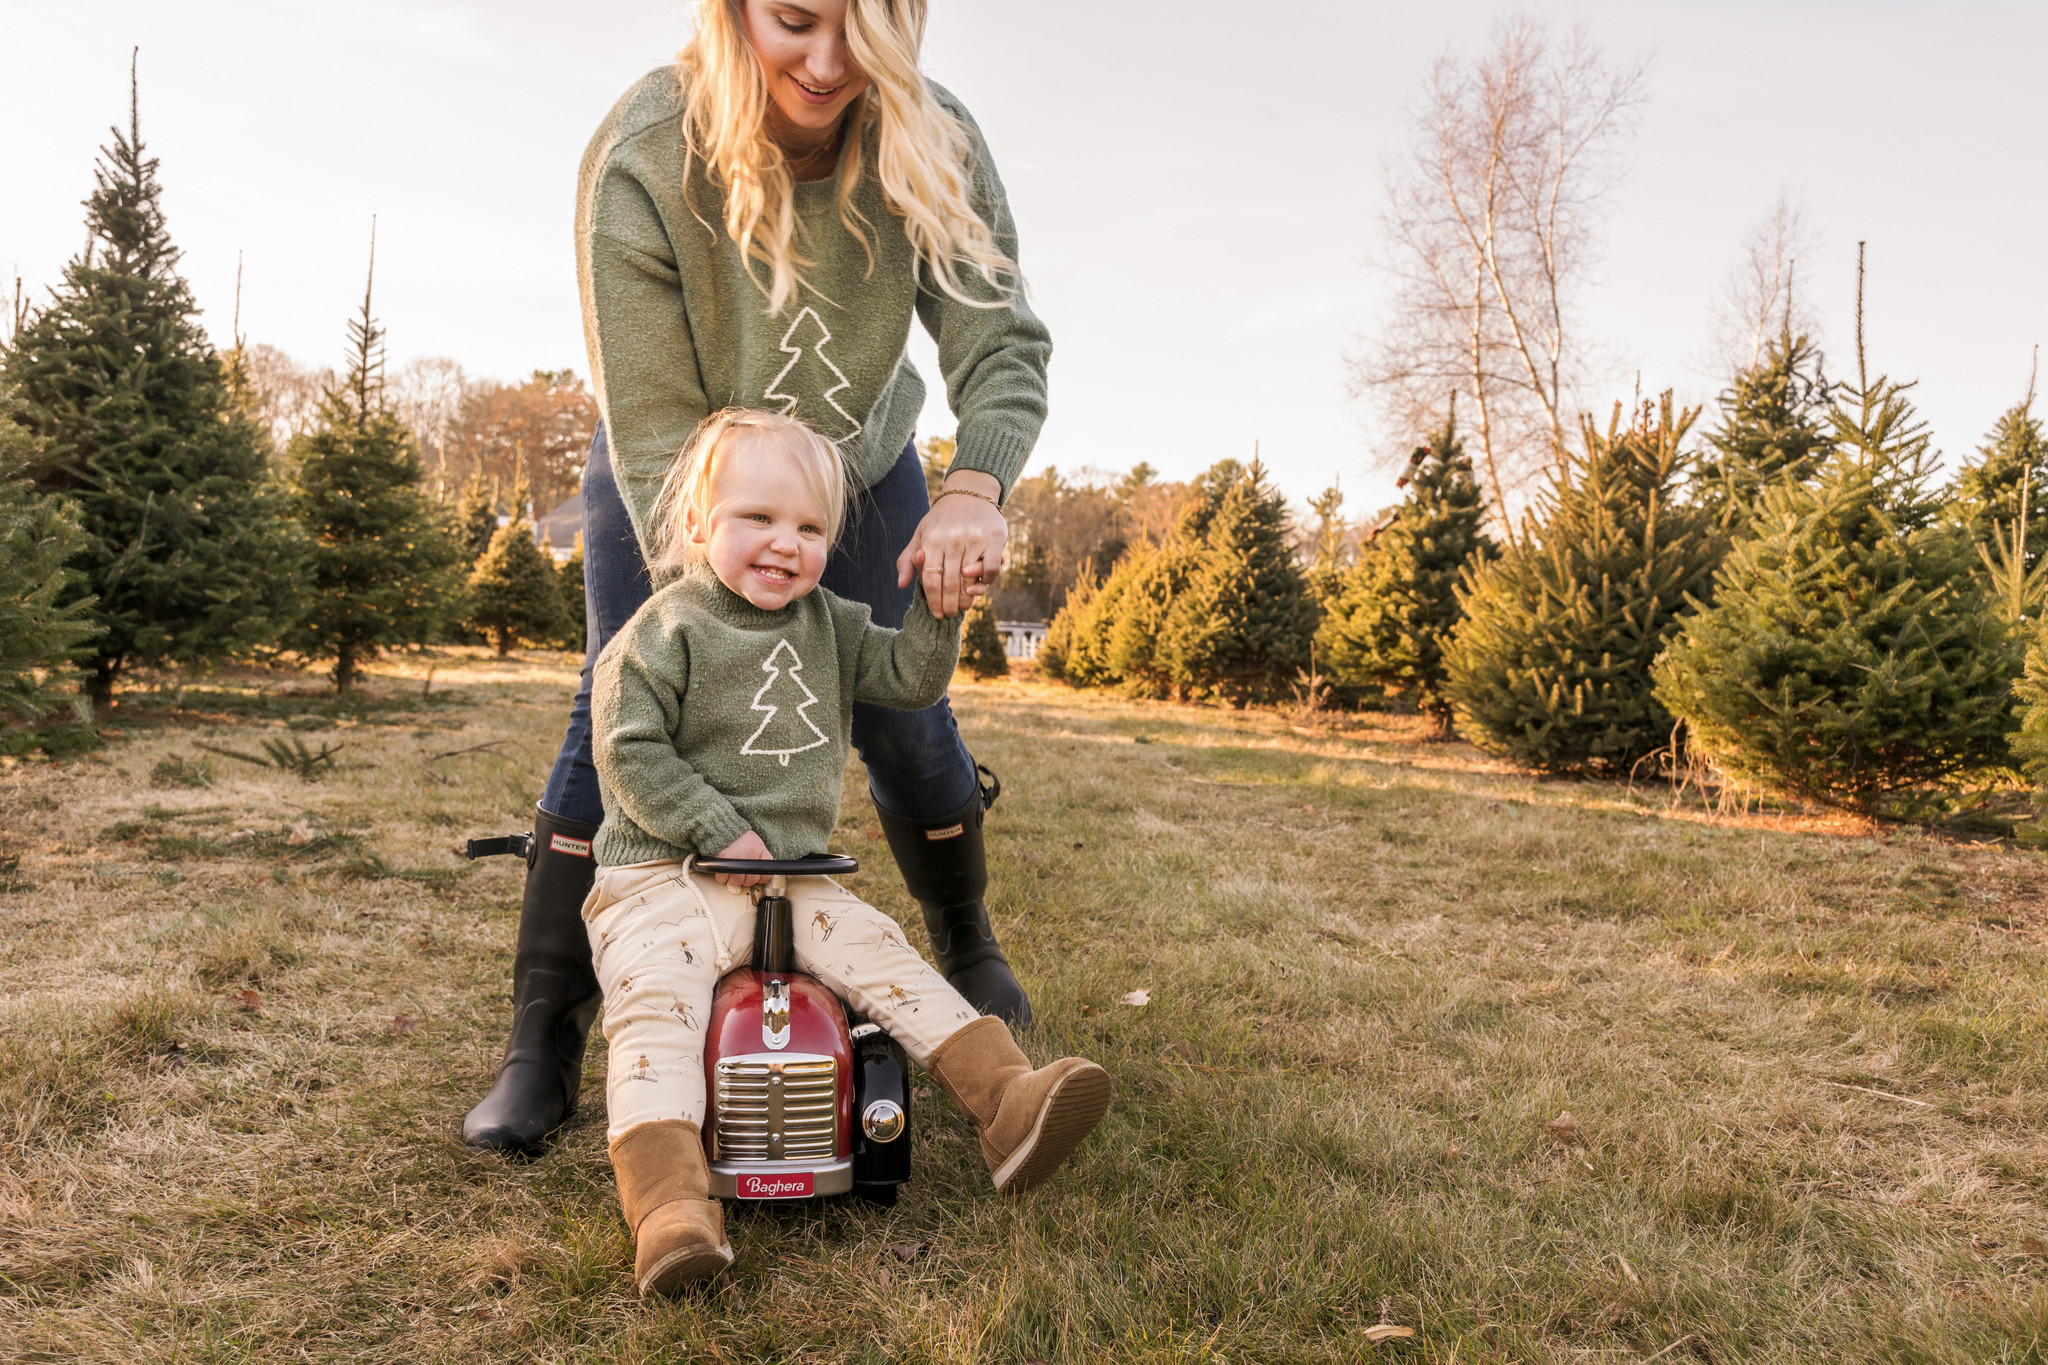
(921, 152)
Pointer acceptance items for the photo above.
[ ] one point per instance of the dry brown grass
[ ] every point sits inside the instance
(1805, 1061)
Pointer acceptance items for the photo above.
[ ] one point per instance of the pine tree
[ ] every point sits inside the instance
(1394, 613)
(1552, 664)
(186, 547)
(476, 520)
(1985, 501)
(1241, 629)
(382, 567)
(1772, 429)
(1329, 546)
(513, 592)
(2030, 743)
(981, 644)
(1850, 652)
(1056, 649)
(574, 610)
(43, 625)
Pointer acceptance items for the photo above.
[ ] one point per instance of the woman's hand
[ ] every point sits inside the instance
(958, 547)
(748, 845)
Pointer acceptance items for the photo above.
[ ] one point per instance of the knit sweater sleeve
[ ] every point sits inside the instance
(636, 709)
(643, 356)
(907, 669)
(993, 358)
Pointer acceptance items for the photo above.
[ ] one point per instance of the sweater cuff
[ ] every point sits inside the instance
(718, 829)
(1000, 454)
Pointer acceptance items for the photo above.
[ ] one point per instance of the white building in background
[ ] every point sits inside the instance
(1021, 639)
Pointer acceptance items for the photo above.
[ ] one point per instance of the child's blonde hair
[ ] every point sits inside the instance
(923, 154)
(686, 492)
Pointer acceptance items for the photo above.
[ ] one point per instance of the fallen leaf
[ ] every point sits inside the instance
(874, 834)
(1387, 1331)
(239, 835)
(251, 1001)
(404, 1024)
(1140, 997)
(302, 833)
(1087, 1010)
(1079, 846)
(2034, 1246)
(1562, 1129)
(908, 1251)
(1454, 1149)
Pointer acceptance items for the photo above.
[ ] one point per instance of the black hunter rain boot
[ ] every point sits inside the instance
(945, 865)
(554, 997)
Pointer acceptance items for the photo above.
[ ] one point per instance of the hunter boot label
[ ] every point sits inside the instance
(945, 832)
(575, 848)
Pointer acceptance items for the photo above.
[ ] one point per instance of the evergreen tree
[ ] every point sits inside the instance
(1552, 664)
(1396, 610)
(43, 625)
(382, 567)
(1055, 650)
(1850, 651)
(476, 520)
(981, 644)
(1772, 429)
(1329, 546)
(2030, 742)
(185, 546)
(574, 612)
(1240, 631)
(1985, 501)
(513, 592)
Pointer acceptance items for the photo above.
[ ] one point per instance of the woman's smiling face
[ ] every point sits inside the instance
(804, 59)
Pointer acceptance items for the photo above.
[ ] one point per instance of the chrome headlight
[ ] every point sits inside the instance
(882, 1121)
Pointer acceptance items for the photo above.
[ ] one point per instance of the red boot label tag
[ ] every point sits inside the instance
(575, 848)
(796, 1186)
(949, 832)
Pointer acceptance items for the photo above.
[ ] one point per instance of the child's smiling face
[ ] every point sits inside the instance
(765, 534)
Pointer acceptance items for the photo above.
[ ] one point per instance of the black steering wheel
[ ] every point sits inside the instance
(817, 865)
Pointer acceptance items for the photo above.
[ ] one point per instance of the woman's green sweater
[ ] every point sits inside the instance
(711, 717)
(677, 328)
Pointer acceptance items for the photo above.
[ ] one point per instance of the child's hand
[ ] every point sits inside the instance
(748, 845)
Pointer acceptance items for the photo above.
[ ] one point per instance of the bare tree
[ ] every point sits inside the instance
(1759, 299)
(287, 394)
(1491, 225)
(430, 394)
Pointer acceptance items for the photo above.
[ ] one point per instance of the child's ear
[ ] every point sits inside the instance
(693, 526)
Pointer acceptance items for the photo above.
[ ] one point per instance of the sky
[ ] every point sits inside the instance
(1198, 187)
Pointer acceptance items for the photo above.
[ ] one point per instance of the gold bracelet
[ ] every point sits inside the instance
(969, 492)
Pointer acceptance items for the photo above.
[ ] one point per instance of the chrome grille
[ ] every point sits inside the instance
(778, 1109)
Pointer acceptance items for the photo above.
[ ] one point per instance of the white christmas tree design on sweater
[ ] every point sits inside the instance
(785, 732)
(796, 349)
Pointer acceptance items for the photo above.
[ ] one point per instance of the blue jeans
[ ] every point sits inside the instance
(917, 765)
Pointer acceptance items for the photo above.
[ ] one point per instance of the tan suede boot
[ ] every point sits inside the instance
(1030, 1121)
(664, 1188)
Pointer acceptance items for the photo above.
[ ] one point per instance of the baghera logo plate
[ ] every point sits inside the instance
(576, 848)
(796, 1185)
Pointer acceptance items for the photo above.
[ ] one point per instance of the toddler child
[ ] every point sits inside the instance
(722, 712)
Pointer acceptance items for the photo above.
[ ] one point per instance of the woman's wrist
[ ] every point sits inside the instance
(974, 481)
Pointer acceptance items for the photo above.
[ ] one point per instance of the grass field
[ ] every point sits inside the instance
(1807, 1066)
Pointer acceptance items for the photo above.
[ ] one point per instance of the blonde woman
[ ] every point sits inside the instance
(757, 227)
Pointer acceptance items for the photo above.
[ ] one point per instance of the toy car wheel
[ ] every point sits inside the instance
(880, 1195)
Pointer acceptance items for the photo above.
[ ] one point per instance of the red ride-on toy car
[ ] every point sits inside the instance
(802, 1104)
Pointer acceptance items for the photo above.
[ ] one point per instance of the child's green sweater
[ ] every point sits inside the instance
(713, 717)
(677, 327)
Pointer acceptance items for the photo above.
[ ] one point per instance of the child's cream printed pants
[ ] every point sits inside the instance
(662, 935)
